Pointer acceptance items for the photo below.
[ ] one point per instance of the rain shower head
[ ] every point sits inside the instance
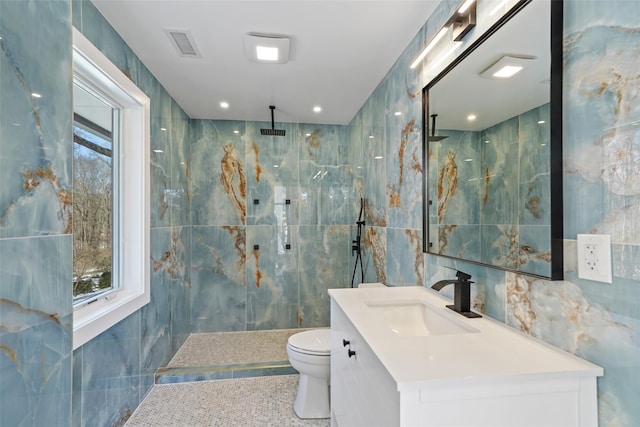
(433, 137)
(273, 131)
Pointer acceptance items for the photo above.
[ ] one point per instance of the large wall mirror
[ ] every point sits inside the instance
(493, 147)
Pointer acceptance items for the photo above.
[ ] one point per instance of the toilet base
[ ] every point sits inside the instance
(312, 400)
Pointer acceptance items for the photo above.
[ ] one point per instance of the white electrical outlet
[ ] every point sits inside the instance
(594, 257)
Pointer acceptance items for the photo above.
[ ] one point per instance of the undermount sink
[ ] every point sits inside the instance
(415, 319)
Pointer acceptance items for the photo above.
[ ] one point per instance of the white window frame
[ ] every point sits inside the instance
(133, 289)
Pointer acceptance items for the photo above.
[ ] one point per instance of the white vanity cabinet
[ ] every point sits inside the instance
(362, 391)
(477, 373)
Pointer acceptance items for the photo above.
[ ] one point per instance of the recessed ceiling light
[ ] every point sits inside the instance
(269, 48)
(471, 117)
(224, 104)
(317, 109)
(266, 53)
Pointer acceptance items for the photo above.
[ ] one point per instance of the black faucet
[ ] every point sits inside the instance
(461, 293)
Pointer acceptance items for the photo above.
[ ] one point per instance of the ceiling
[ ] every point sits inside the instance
(340, 51)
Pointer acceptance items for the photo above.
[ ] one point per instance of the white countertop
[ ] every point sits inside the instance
(492, 351)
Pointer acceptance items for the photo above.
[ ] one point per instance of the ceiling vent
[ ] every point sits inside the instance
(183, 41)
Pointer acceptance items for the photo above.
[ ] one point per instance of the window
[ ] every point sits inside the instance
(111, 220)
(96, 193)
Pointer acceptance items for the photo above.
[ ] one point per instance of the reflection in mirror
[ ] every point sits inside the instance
(493, 120)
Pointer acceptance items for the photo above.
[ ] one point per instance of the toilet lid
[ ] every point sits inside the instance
(315, 341)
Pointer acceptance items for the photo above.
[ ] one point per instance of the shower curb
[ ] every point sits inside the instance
(174, 375)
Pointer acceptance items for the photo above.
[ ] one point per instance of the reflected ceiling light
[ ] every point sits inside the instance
(378, 158)
(266, 48)
(307, 134)
(507, 66)
(397, 113)
(158, 151)
(462, 21)
(468, 160)
(370, 136)
(36, 95)
(541, 122)
(163, 129)
(224, 104)
(236, 131)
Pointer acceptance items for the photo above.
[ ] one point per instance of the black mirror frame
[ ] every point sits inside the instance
(555, 160)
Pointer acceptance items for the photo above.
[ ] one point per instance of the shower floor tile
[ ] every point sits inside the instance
(246, 402)
(226, 348)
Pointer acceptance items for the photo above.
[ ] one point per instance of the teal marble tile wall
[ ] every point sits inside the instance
(35, 213)
(114, 371)
(599, 322)
(102, 382)
(271, 220)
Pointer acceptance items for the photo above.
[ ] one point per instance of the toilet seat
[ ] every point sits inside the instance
(316, 342)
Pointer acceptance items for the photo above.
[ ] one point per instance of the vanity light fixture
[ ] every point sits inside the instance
(506, 67)
(462, 21)
(430, 46)
(266, 48)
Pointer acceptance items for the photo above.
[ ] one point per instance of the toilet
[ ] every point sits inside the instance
(309, 353)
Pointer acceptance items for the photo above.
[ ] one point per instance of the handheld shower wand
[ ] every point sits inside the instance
(356, 247)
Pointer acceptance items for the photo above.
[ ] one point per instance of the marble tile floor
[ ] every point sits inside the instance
(246, 402)
(226, 355)
(224, 348)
